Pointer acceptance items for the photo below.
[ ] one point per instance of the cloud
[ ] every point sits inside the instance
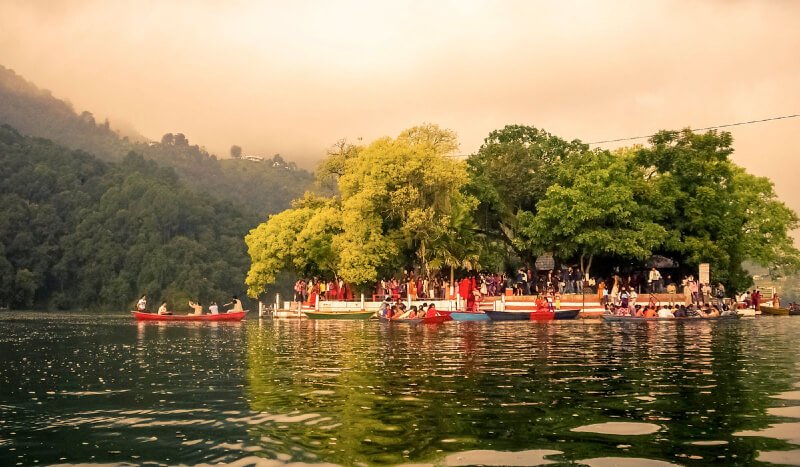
(294, 77)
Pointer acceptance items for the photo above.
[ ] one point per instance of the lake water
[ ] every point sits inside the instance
(103, 389)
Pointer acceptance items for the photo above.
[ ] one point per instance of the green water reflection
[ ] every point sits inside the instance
(354, 392)
(75, 389)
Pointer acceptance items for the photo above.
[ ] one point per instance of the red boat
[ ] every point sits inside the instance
(219, 317)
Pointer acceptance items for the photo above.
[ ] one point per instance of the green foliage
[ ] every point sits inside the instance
(510, 174)
(597, 205)
(77, 232)
(260, 187)
(400, 205)
(716, 212)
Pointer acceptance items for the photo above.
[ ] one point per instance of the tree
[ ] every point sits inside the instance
(510, 174)
(599, 204)
(236, 152)
(716, 212)
(168, 139)
(400, 205)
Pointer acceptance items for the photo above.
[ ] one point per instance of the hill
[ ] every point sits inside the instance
(260, 187)
(78, 232)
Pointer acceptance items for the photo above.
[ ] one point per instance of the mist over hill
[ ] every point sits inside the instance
(262, 186)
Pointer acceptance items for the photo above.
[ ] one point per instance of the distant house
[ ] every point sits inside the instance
(253, 158)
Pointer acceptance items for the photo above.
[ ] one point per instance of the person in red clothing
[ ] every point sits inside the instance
(465, 288)
(432, 311)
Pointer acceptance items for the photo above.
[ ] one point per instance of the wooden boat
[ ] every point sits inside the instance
(219, 317)
(339, 314)
(571, 313)
(509, 315)
(469, 316)
(432, 320)
(771, 310)
(639, 319)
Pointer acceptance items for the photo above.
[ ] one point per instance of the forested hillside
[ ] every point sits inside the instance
(261, 187)
(77, 232)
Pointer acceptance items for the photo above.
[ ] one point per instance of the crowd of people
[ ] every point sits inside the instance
(616, 290)
(398, 310)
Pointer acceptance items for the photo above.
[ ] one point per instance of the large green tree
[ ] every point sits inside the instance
(400, 205)
(599, 204)
(717, 213)
(510, 174)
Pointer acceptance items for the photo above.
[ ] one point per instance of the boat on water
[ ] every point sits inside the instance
(773, 311)
(469, 316)
(237, 316)
(639, 319)
(339, 314)
(571, 313)
(509, 315)
(432, 320)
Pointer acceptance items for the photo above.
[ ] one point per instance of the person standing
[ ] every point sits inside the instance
(653, 280)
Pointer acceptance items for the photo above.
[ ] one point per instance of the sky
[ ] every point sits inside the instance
(293, 77)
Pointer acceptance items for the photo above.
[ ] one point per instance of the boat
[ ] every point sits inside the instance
(773, 311)
(237, 316)
(571, 313)
(431, 320)
(339, 314)
(639, 319)
(509, 315)
(469, 316)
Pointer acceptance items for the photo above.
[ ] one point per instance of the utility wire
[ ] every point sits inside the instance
(702, 129)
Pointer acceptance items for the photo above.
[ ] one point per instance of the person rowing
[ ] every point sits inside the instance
(237, 305)
(162, 310)
(196, 307)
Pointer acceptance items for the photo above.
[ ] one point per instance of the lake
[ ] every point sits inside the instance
(103, 389)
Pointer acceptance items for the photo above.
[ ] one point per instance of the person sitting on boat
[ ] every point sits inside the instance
(410, 314)
(432, 311)
(213, 308)
(141, 305)
(162, 310)
(681, 312)
(650, 312)
(665, 312)
(237, 305)
(196, 307)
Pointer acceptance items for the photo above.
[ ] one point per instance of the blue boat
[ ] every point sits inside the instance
(469, 316)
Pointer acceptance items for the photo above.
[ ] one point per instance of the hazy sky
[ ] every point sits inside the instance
(292, 77)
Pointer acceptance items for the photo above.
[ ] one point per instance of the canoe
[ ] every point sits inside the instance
(220, 317)
(568, 313)
(639, 319)
(770, 310)
(339, 314)
(509, 315)
(469, 316)
(432, 320)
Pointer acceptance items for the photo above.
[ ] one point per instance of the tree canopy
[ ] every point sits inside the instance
(399, 204)
(76, 232)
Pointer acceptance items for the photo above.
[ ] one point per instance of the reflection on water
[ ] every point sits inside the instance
(75, 389)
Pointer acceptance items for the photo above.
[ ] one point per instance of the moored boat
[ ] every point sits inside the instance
(509, 315)
(773, 311)
(237, 316)
(469, 316)
(568, 314)
(639, 319)
(339, 314)
(549, 315)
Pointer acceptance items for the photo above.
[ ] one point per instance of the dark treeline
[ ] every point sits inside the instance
(261, 187)
(78, 232)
